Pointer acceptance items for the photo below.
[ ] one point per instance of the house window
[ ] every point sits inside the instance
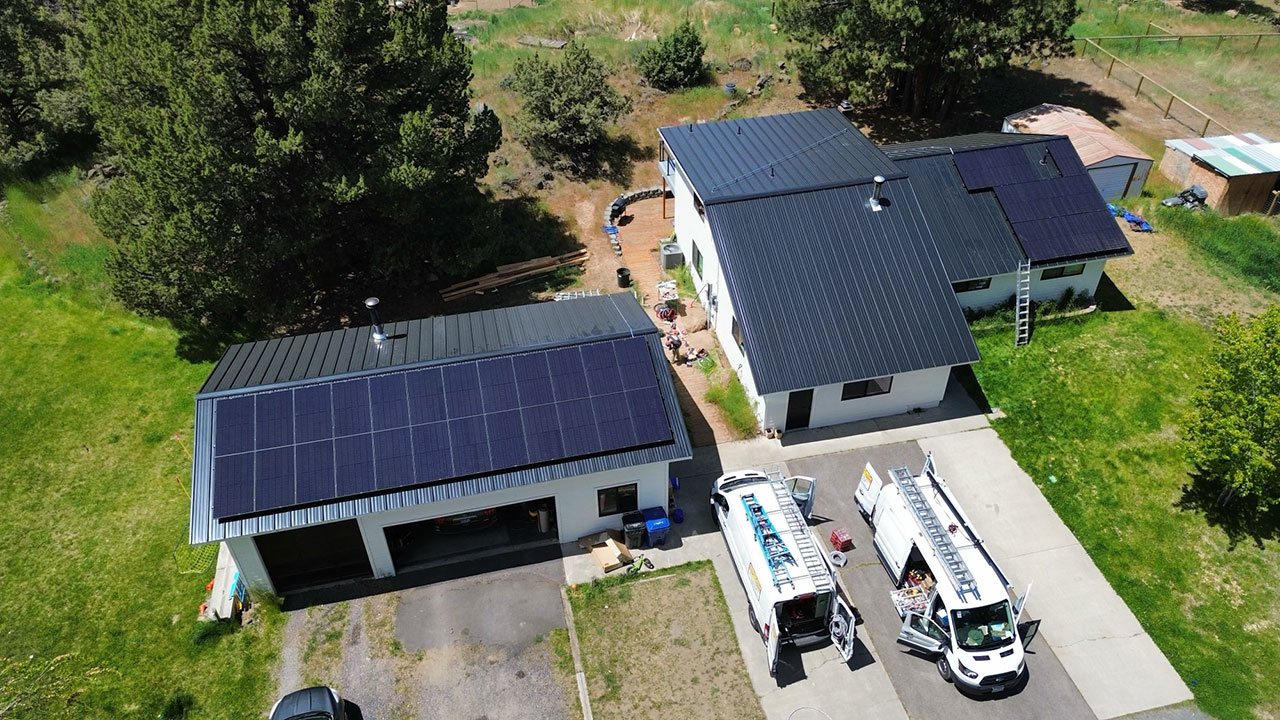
(697, 259)
(866, 388)
(737, 335)
(971, 285)
(615, 500)
(1060, 272)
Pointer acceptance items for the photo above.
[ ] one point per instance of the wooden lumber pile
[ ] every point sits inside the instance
(514, 272)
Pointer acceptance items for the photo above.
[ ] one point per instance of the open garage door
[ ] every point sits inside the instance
(314, 555)
(474, 534)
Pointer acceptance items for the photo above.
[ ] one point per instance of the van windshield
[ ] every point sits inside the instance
(731, 484)
(984, 628)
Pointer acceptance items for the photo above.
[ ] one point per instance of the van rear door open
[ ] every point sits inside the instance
(775, 635)
(841, 626)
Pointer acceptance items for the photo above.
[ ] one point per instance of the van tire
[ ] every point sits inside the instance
(751, 615)
(944, 669)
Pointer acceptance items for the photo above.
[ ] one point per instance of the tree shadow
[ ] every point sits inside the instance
(521, 228)
(984, 108)
(1240, 517)
(1246, 7)
(613, 160)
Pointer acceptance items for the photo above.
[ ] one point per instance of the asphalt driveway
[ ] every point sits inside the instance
(1048, 691)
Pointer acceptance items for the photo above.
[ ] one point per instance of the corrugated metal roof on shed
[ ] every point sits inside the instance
(828, 291)
(774, 155)
(303, 357)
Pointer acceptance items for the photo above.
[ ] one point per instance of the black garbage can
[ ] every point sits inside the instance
(633, 529)
(624, 277)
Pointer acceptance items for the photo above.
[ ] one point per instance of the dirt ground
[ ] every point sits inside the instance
(487, 5)
(638, 231)
(663, 646)
(1164, 270)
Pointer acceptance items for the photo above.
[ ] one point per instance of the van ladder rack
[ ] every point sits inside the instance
(776, 553)
(938, 534)
(809, 552)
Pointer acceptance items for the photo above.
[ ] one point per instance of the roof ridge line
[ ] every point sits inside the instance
(784, 158)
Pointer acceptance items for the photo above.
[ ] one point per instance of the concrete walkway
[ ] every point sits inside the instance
(1099, 642)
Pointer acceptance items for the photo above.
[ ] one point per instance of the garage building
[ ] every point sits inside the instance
(331, 456)
(1115, 165)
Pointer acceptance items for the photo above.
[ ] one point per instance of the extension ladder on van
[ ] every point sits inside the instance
(775, 550)
(809, 551)
(938, 535)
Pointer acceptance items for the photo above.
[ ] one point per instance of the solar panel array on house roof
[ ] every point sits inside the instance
(1048, 198)
(333, 440)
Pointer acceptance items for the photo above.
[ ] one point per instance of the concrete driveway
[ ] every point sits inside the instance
(468, 648)
(1048, 692)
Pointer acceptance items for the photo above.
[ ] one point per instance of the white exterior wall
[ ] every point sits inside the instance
(577, 514)
(1002, 288)
(1086, 284)
(910, 390)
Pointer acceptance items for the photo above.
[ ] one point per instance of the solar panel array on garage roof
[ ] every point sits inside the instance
(1048, 198)
(347, 438)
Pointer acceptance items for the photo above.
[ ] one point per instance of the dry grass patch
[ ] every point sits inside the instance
(659, 641)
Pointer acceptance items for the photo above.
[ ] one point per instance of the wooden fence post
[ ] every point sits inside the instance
(1112, 65)
(1219, 45)
(1205, 131)
(1168, 107)
(1256, 43)
(1139, 90)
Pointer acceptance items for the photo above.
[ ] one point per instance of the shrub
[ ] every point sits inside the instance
(734, 404)
(675, 61)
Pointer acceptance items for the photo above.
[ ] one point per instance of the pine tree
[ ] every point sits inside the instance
(675, 61)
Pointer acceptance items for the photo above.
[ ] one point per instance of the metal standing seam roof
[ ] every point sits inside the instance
(828, 291)
(956, 143)
(564, 323)
(1094, 141)
(975, 241)
(774, 154)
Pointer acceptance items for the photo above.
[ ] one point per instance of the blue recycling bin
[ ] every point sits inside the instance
(656, 525)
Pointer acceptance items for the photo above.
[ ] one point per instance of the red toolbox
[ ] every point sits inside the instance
(840, 540)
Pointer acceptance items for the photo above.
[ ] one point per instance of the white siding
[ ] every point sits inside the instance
(1002, 288)
(1085, 284)
(577, 514)
(910, 390)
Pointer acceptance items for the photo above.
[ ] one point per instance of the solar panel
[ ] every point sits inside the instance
(1060, 218)
(993, 167)
(327, 441)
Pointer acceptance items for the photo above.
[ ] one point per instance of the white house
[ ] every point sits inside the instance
(332, 456)
(834, 277)
(1116, 166)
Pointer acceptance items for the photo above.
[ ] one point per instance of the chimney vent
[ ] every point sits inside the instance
(378, 335)
(874, 201)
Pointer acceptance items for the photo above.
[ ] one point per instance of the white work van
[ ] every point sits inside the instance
(790, 585)
(954, 600)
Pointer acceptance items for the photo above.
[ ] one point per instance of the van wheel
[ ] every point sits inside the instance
(751, 615)
(944, 669)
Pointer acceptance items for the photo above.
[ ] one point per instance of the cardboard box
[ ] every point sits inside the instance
(607, 548)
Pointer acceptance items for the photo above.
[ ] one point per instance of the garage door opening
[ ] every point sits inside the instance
(314, 555)
(472, 535)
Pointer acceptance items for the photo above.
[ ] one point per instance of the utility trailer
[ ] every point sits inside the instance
(790, 585)
(954, 600)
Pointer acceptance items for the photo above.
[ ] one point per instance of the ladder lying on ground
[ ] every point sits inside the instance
(775, 550)
(1024, 303)
(810, 554)
(938, 535)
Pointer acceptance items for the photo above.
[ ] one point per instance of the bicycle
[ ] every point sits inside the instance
(637, 563)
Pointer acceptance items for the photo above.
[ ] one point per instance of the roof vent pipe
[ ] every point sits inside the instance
(378, 335)
(874, 201)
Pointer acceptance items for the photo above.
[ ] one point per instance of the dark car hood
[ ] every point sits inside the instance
(310, 700)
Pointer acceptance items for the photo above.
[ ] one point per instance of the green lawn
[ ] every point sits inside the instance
(1247, 245)
(91, 492)
(1093, 407)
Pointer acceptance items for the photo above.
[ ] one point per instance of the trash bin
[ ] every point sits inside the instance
(657, 525)
(633, 529)
(624, 277)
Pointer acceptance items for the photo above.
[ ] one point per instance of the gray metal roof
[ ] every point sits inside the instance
(451, 337)
(956, 143)
(827, 291)
(774, 155)
(971, 232)
(506, 331)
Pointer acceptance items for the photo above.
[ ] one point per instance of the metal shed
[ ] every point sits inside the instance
(1116, 166)
(1240, 172)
